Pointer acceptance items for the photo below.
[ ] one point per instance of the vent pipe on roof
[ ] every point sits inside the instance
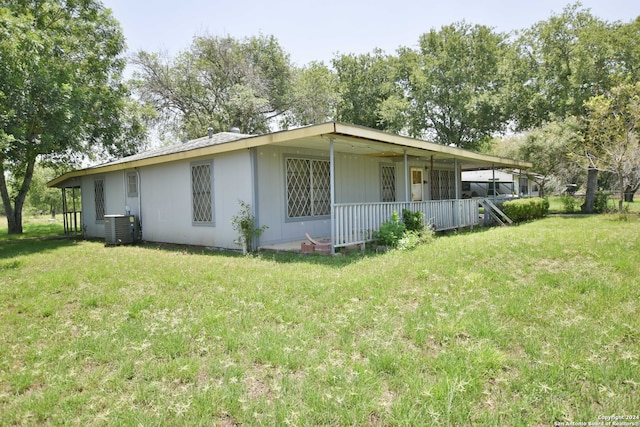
(210, 133)
(234, 129)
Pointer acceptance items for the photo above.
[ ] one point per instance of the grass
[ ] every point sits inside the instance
(526, 325)
(33, 228)
(556, 205)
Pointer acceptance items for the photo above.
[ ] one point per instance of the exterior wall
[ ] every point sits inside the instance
(256, 176)
(357, 180)
(165, 201)
(114, 195)
(271, 198)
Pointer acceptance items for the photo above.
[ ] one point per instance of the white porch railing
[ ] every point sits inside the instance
(356, 222)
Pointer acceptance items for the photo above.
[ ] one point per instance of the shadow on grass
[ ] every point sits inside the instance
(282, 257)
(27, 246)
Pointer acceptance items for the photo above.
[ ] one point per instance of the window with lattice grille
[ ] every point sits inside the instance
(308, 188)
(132, 185)
(98, 191)
(443, 185)
(388, 183)
(201, 193)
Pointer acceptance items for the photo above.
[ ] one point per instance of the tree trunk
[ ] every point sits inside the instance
(592, 185)
(6, 201)
(629, 192)
(621, 201)
(14, 213)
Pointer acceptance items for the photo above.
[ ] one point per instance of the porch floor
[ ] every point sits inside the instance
(293, 246)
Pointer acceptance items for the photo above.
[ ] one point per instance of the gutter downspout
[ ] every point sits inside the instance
(253, 156)
(139, 202)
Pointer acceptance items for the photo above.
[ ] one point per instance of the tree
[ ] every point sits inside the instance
(550, 149)
(369, 93)
(314, 96)
(612, 143)
(556, 65)
(40, 198)
(219, 83)
(61, 91)
(454, 84)
(560, 63)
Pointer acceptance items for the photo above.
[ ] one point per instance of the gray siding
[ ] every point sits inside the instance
(165, 201)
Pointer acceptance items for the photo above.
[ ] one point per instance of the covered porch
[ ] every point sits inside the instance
(341, 182)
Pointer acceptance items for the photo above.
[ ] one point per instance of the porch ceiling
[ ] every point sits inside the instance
(394, 152)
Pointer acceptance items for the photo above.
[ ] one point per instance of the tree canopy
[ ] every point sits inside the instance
(612, 140)
(61, 90)
(219, 83)
(454, 84)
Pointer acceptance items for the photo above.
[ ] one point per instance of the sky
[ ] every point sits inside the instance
(319, 30)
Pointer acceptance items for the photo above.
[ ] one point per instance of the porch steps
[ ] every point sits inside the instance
(495, 212)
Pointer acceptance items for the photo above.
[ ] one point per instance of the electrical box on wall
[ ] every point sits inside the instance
(121, 229)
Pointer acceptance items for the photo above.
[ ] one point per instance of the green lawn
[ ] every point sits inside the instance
(34, 228)
(556, 205)
(524, 325)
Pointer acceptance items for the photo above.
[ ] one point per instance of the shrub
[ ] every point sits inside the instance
(601, 201)
(526, 209)
(570, 204)
(245, 223)
(403, 234)
(390, 231)
(413, 221)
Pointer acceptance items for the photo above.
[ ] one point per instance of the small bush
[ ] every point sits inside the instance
(570, 204)
(601, 201)
(526, 209)
(405, 233)
(390, 231)
(413, 221)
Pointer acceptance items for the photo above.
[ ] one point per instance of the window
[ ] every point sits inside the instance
(443, 184)
(201, 193)
(308, 188)
(98, 192)
(388, 183)
(132, 185)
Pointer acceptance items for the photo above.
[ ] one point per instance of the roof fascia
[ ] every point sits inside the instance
(330, 128)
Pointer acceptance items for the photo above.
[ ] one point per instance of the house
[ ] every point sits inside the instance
(498, 184)
(329, 180)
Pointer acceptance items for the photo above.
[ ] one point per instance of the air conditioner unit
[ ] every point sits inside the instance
(121, 229)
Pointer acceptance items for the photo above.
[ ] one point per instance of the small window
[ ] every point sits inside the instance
(388, 183)
(98, 189)
(202, 193)
(132, 185)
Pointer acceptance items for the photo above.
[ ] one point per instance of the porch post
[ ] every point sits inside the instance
(457, 192)
(406, 178)
(64, 209)
(332, 178)
(493, 171)
(75, 214)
